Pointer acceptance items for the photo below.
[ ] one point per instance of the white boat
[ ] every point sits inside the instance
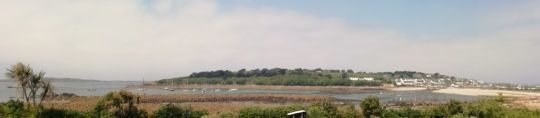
(217, 90)
(231, 90)
(142, 85)
(169, 89)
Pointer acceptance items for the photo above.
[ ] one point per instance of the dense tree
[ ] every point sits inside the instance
(295, 77)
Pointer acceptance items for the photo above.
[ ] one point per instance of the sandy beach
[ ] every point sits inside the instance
(485, 92)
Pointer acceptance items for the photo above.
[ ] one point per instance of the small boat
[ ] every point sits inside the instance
(10, 87)
(170, 89)
(231, 90)
(140, 89)
(142, 85)
(217, 90)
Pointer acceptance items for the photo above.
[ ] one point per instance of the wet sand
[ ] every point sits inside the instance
(485, 92)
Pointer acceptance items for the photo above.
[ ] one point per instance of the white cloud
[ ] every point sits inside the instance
(125, 40)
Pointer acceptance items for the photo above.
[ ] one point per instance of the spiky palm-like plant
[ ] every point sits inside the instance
(30, 83)
(21, 74)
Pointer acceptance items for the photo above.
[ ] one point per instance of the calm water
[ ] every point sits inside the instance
(101, 88)
(78, 88)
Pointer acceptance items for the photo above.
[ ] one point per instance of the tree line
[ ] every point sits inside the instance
(297, 77)
(265, 72)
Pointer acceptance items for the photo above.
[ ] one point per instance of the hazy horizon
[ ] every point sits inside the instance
(496, 40)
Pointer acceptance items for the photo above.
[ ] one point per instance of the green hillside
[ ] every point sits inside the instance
(297, 77)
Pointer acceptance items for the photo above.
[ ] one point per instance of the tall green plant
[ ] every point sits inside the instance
(21, 74)
(32, 85)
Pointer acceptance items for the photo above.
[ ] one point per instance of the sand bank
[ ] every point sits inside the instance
(485, 92)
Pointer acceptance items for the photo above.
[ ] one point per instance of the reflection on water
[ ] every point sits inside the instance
(99, 88)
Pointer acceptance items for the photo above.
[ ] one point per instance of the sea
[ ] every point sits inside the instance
(8, 90)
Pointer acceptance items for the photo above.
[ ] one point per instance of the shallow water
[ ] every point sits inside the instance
(103, 87)
(385, 96)
(94, 88)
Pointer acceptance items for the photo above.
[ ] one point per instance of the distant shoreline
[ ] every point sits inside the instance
(331, 89)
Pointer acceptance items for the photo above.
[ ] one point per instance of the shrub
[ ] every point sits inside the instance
(277, 112)
(121, 104)
(323, 109)
(390, 114)
(171, 111)
(15, 109)
(371, 107)
(227, 115)
(349, 112)
(252, 112)
(61, 113)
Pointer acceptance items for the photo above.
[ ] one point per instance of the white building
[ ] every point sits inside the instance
(407, 82)
(357, 78)
(367, 78)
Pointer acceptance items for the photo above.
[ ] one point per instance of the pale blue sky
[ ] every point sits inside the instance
(491, 40)
(414, 16)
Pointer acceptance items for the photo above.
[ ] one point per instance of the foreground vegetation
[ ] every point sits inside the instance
(297, 77)
(123, 104)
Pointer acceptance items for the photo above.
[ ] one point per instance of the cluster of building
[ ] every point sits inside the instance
(357, 78)
(426, 82)
(452, 82)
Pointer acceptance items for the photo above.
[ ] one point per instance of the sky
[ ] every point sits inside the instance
(489, 40)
